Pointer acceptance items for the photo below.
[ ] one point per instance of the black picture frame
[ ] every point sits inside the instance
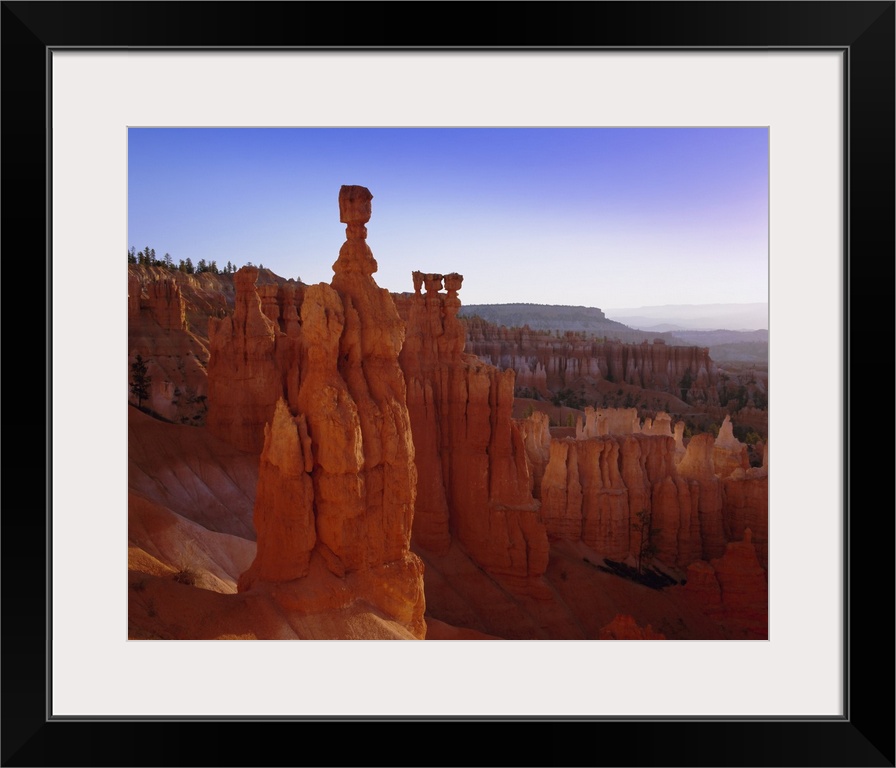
(864, 31)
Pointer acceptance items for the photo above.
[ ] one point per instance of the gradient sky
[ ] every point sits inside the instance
(601, 217)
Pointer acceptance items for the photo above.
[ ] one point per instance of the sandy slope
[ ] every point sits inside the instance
(188, 471)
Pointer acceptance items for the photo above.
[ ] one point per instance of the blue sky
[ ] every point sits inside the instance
(602, 217)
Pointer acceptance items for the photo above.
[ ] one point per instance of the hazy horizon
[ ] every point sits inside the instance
(601, 217)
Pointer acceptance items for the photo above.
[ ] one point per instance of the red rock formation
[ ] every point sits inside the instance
(203, 295)
(728, 452)
(536, 433)
(592, 487)
(135, 288)
(624, 627)
(697, 466)
(160, 297)
(549, 364)
(703, 583)
(337, 480)
(366, 358)
(167, 305)
(661, 424)
(733, 588)
(245, 380)
(746, 506)
(284, 502)
(174, 355)
(473, 478)
(742, 579)
(607, 421)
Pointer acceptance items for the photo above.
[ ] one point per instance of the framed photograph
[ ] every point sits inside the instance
(817, 76)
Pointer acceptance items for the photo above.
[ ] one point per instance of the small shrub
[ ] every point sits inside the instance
(186, 576)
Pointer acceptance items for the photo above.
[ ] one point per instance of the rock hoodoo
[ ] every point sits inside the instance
(592, 486)
(473, 480)
(310, 378)
(247, 352)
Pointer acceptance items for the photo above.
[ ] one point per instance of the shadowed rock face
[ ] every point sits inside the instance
(733, 587)
(245, 376)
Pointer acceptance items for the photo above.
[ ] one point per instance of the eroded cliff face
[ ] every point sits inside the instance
(548, 363)
(309, 377)
(473, 480)
(174, 350)
(593, 486)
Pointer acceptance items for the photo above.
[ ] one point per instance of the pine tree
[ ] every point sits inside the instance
(168, 260)
(140, 380)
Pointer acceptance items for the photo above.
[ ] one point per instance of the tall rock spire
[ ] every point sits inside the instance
(338, 481)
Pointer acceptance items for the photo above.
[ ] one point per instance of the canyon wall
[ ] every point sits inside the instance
(549, 362)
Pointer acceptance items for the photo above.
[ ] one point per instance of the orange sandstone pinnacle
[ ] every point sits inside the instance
(354, 210)
(337, 479)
